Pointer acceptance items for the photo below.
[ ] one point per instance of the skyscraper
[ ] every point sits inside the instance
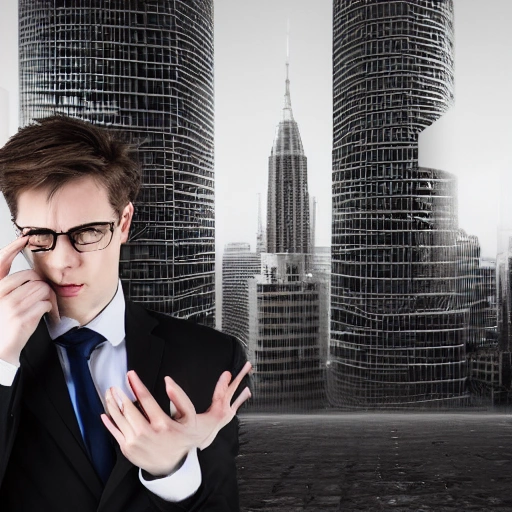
(238, 265)
(397, 317)
(288, 198)
(145, 68)
(288, 309)
(504, 285)
(487, 365)
(288, 321)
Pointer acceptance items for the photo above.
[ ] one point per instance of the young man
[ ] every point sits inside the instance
(87, 380)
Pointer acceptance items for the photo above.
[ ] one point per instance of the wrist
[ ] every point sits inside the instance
(10, 356)
(156, 473)
(179, 486)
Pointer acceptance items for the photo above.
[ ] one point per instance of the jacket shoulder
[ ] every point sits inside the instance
(199, 340)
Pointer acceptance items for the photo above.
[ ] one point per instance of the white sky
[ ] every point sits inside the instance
(473, 141)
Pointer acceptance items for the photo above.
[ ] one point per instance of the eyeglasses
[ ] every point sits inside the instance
(94, 236)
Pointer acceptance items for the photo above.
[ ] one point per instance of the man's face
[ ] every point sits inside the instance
(84, 282)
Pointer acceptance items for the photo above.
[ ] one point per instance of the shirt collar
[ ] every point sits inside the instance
(109, 323)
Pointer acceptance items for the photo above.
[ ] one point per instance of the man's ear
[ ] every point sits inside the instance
(126, 221)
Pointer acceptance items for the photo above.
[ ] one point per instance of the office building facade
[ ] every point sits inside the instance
(239, 264)
(488, 367)
(397, 317)
(288, 321)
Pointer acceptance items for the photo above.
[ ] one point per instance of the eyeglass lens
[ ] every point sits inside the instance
(86, 239)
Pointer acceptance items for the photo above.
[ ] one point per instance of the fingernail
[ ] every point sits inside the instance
(117, 398)
(172, 409)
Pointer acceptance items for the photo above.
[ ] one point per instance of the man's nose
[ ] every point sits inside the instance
(64, 255)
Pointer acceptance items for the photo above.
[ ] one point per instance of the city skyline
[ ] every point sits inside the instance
(248, 85)
(407, 296)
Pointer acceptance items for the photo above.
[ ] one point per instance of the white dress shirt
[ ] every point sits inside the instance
(108, 366)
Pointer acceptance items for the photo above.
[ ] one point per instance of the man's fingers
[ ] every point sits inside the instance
(30, 301)
(118, 436)
(224, 390)
(222, 386)
(8, 253)
(184, 407)
(144, 397)
(35, 313)
(29, 292)
(236, 382)
(10, 283)
(117, 408)
(240, 399)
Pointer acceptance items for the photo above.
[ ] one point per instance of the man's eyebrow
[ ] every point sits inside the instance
(35, 228)
(86, 225)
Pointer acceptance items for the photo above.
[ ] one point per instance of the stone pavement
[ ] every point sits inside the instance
(370, 461)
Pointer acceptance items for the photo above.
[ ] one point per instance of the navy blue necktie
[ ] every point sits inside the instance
(79, 344)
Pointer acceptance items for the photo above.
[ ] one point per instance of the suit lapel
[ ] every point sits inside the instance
(144, 352)
(47, 396)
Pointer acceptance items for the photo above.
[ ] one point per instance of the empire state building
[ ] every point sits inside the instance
(287, 306)
(288, 198)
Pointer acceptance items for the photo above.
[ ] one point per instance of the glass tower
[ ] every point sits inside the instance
(398, 312)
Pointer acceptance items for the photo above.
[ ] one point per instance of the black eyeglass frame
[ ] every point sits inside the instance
(45, 231)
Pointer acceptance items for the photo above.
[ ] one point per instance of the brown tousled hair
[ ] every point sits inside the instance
(56, 150)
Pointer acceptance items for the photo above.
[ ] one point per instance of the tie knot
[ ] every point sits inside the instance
(80, 341)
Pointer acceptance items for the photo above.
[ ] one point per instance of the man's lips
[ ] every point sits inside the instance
(67, 290)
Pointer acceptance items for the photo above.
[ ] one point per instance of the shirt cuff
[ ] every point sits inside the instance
(7, 373)
(179, 485)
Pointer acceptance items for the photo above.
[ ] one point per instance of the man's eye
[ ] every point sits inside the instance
(88, 236)
(40, 239)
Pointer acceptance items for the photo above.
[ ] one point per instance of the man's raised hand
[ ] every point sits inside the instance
(221, 412)
(154, 441)
(24, 299)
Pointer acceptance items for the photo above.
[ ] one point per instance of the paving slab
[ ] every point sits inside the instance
(370, 461)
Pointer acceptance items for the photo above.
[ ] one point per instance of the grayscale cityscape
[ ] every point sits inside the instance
(402, 311)
(359, 344)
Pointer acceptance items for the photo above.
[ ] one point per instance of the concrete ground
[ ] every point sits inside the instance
(371, 461)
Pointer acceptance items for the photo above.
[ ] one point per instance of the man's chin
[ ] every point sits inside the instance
(72, 306)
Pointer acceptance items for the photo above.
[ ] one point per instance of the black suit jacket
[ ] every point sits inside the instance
(43, 463)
